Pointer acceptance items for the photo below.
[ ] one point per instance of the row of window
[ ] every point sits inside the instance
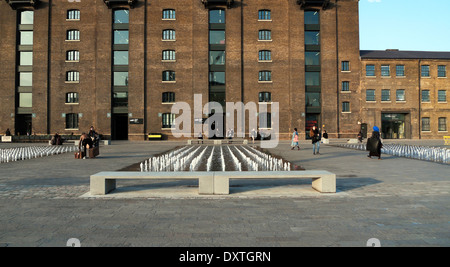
(400, 95)
(74, 14)
(426, 124)
(400, 71)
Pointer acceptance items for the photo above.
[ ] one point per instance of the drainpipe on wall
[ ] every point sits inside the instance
(420, 102)
(337, 72)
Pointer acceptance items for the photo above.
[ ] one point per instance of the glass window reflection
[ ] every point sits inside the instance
(120, 57)
(216, 37)
(26, 79)
(26, 17)
(217, 16)
(312, 58)
(311, 17)
(217, 58)
(26, 38)
(121, 37)
(120, 78)
(121, 16)
(217, 78)
(312, 37)
(312, 78)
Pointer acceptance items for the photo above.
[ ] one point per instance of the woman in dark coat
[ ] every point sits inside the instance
(374, 144)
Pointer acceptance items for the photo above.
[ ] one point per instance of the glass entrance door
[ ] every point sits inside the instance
(393, 126)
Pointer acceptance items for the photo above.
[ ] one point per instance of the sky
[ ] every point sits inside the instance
(414, 25)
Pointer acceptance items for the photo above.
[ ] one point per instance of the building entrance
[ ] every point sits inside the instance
(119, 127)
(23, 124)
(311, 120)
(394, 126)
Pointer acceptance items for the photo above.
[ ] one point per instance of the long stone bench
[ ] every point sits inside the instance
(104, 182)
(322, 181)
(212, 183)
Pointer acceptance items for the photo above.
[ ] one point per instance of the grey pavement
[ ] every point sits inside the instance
(401, 202)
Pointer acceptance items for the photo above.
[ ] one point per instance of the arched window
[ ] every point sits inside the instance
(73, 55)
(264, 14)
(168, 97)
(168, 34)
(265, 76)
(168, 55)
(265, 97)
(265, 55)
(168, 14)
(73, 35)
(168, 76)
(73, 14)
(72, 98)
(72, 76)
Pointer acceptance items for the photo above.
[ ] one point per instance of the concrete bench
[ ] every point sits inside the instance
(6, 139)
(104, 182)
(212, 183)
(322, 181)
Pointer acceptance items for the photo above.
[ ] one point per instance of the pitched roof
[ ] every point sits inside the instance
(397, 54)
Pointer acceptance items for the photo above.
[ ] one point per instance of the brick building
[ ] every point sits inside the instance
(120, 65)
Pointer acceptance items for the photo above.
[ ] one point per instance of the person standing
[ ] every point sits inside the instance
(8, 132)
(315, 137)
(253, 135)
(295, 140)
(374, 144)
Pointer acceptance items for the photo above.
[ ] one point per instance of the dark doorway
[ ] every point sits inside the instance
(23, 124)
(364, 130)
(119, 127)
(311, 120)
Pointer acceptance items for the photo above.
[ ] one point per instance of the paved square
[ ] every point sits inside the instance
(401, 202)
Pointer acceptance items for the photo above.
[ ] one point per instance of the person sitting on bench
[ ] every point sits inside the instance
(85, 142)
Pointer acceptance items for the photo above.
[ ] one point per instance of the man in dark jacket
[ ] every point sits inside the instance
(374, 144)
(314, 133)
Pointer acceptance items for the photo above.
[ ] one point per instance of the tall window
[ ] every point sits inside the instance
(400, 95)
(217, 37)
(265, 76)
(26, 17)
(72, 76)
(168, 14)
(370, 70)
(71, 98)
(345, 66)
(121, 37)
(265, 55)
(370, 95)
(73, 35)
(168, 55)
(442, 96)
(25, 79)
(26, 58)
(265, 35)
(442, 71)
(73, 55)
(442, 124)
(345, 106)
(312, 58)
(72, 121)
(265, 97)
(385, 70)
(73, 14)
(120, 58)
(168, 76)
(264, 15)
(168, 97)
(25, 100)
(168, 35)
(216, 78)
(345, 86)
(400, 70)
(265, 120)
(425, 71)
(385, 95)
(120, 99)
(426, 124)
(312, 38)
(168, 120)
(121, 16)
(425, 95)
(217, 58)
(217, 16)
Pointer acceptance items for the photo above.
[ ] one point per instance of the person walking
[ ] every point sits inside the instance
(315, 137)
(295, 140)
(374, 144)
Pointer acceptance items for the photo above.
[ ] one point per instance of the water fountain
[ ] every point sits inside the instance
(24, 153)
(214, 158)
(435, 154)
